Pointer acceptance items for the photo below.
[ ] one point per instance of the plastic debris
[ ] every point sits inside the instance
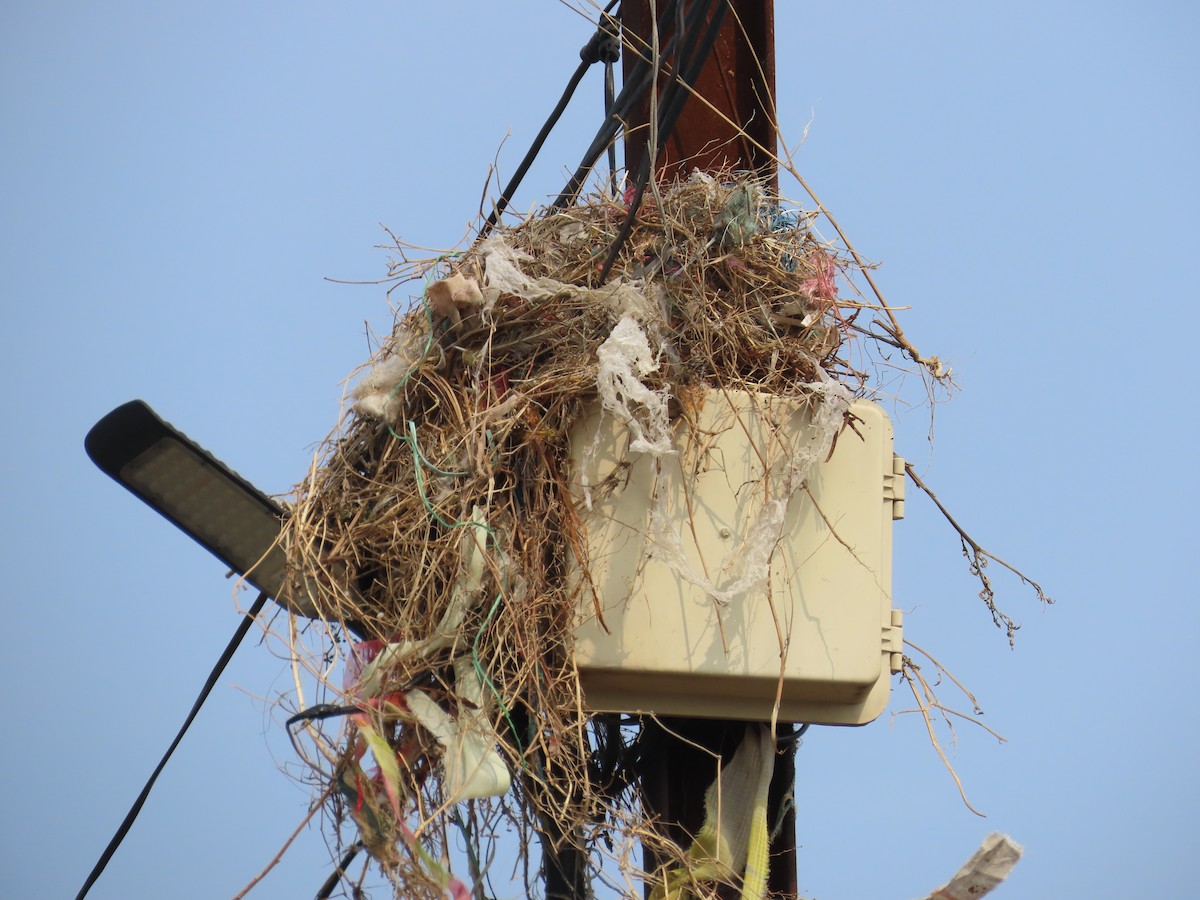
(987, 868)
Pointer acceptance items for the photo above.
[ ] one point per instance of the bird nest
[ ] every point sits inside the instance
(440, 542)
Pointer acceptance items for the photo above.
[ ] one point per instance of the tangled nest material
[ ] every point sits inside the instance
(442, 529)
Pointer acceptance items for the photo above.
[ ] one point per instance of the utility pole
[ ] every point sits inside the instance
(733, 126)
(729, 125)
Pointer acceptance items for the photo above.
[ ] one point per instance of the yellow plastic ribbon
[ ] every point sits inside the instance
(734, 837)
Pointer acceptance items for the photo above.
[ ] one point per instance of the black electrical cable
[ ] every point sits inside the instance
(632, 91)
(674, 97)
(793, 737)
(320, 711)
(210, 682)
(610, 95)
(603, 46)
(639, 82)
(685, 33)
(335, 876)
(689, 69)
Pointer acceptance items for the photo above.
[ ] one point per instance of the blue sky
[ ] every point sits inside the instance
(179, 183)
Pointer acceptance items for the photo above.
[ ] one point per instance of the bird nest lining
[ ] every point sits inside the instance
(440, 525)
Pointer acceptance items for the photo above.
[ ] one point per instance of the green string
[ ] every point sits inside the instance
(412, 431)
(418, 458)
(483, 676)
(419, 472)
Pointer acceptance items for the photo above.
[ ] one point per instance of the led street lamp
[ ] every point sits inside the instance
(208, 501)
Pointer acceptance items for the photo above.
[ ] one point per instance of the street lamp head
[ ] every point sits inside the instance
(207, 500)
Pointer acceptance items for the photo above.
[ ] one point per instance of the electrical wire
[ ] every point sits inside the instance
(688, 65)
(691, 66)
(603, 46)
(632, 91)
(694, 53)
(793, 737)
(210, 682)
(335, 876)
(610, 95)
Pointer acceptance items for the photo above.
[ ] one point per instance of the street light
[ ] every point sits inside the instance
(227, 515)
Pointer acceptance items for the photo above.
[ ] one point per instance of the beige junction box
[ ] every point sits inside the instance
(674, 539)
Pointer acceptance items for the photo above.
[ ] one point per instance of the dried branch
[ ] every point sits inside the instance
(978, 559)
(313, 810)
(926, 705)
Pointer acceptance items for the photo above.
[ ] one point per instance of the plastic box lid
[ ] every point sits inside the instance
(823, 637)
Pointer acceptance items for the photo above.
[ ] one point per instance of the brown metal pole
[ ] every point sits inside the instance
(730, 125)
(734, 126)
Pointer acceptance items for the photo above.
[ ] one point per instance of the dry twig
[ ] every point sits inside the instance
(978, 558)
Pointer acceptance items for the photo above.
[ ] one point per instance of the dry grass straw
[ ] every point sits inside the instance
(470, 445)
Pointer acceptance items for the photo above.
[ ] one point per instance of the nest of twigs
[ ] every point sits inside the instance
(440, 527)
